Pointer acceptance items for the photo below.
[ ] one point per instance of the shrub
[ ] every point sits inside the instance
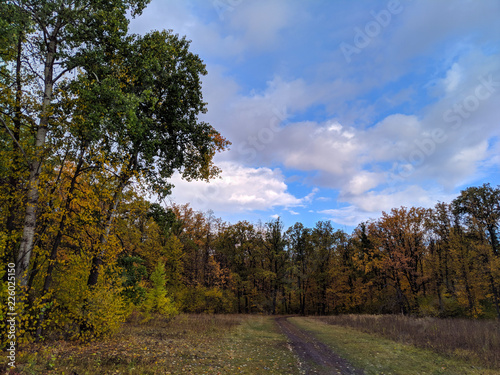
(80, 312)
(206, 300)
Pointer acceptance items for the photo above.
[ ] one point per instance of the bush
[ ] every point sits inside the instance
(80, 312)
(133, 273)
(206, 300)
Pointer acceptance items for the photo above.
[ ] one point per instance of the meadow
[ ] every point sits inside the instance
(254, 344)
(471, 340)
(186, 344)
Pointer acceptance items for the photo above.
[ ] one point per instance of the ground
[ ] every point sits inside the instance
(315, 356)
(245, 344)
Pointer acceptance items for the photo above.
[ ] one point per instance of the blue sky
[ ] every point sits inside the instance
(339, 110)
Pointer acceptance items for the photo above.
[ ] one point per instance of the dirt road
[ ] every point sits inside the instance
(315, 357)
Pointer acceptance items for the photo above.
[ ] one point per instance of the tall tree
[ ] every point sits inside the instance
(60, 38)
(301, 255)
(479, 208)
(324, 242)
(277, 258)
(163, 134)
(401, 235)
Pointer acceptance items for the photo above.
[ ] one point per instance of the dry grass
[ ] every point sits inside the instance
(159, 346)
(472, 340)
(187, 344)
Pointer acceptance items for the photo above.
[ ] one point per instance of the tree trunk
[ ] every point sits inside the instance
(494, 239)
(10, 256)
(238, 295)
(53, 254)
(27, 240)
(97, 260)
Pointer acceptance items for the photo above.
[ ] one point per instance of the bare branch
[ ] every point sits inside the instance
(15, 140)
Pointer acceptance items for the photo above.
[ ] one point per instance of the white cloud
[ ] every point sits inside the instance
(261, 21)
(362, 182)
(239, 189)
(351, 159)
(309, 197)
(463, 164)
(376, 202)
(453, 77)
(351, 148)
(310, 147)
(370, 205)
(350, 215)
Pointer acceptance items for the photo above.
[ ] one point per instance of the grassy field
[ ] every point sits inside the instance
(189, 344)
(476, 341)
(242, 344)
(378, 355)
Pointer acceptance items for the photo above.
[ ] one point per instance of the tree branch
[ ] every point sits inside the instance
(15, 140)
(62, 73)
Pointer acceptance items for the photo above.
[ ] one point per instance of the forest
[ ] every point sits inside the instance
(94, 121)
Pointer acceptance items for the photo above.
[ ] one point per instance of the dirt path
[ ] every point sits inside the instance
(315, 357)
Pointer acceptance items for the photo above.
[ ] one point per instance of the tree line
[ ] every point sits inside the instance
(440, 262)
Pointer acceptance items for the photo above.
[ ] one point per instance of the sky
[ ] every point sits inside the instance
(339, 110)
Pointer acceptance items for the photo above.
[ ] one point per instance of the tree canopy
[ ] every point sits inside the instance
(88, 109)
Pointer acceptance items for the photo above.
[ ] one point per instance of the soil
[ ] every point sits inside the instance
(315, 357)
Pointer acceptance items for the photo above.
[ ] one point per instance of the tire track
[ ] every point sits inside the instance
(316, 357)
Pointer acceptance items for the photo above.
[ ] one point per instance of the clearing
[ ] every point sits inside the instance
(238, 344)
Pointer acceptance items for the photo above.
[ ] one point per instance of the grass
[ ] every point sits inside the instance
(189, 344)
(474, 341)
(378, 355)
(256, 347)
(242, 344)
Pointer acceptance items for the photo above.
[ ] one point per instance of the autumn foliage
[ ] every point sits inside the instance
(117, 117)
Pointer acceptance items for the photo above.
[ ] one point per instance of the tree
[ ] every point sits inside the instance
(324, 242)
(133, 273)
(157, 300)
(479, 208)
(163, 135)
(274, 244)
(238, 250)
(58, 37)
(439, 260)
(401, 237)
(302, 257)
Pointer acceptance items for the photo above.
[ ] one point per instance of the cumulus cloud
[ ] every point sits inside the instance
(369, 205)
(238, 189)
(362, 182)
(408, 118)
(350, 215)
